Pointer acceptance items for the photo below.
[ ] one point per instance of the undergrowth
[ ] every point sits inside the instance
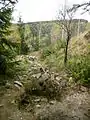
(78, 66)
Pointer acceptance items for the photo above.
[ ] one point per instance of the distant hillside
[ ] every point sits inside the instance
(45, 32)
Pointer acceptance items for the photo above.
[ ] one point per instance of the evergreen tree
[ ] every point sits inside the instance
(6, 9)
(23, 46)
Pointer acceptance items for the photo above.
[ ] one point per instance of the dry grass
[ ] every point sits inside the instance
(79, 45)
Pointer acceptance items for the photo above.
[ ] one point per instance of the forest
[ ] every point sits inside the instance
(45, 65)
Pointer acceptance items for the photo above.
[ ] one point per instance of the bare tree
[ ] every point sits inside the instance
(65, 21)
(7, 3)
(85, 7)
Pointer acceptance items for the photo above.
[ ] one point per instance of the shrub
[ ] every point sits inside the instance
(60, 44)
(47, 51)
(80, 68)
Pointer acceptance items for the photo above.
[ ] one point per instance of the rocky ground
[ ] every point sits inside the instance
(44, 95)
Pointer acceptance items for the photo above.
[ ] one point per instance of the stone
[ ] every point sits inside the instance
(17, 87)
(1, 105)
(47, 71)
(71, 81)
(83, 89)
(56, 74)
(37, 100)
(17, 83)
(52, 102)
(45, 76)
(13, 101)
(44, 100)
(32, 58)
(52, 77)
(57, 83)
(42, 70)
(63, 83)
(38, 106)
(38, 75)
(58, 78)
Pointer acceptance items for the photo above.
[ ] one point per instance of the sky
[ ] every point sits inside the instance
(43, 10)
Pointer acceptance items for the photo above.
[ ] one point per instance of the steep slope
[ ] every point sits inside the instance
(80, 45)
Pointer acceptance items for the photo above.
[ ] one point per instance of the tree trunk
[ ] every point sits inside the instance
(66, 49)
(21, 52)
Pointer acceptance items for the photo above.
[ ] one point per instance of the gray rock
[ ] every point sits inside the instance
(45, 76)
(83, 89)
(32, 58)
(38, 75)
(42, 70)
(1, 105)
(18, 83)
(52, 77)
(52, 102)
(63, 83)
(38, 106)
(44, 100)
(37, 100)
(58, 78)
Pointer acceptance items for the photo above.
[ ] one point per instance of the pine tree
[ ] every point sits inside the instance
(6, 8)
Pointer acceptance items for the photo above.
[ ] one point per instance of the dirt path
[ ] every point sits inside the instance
(74, 106)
